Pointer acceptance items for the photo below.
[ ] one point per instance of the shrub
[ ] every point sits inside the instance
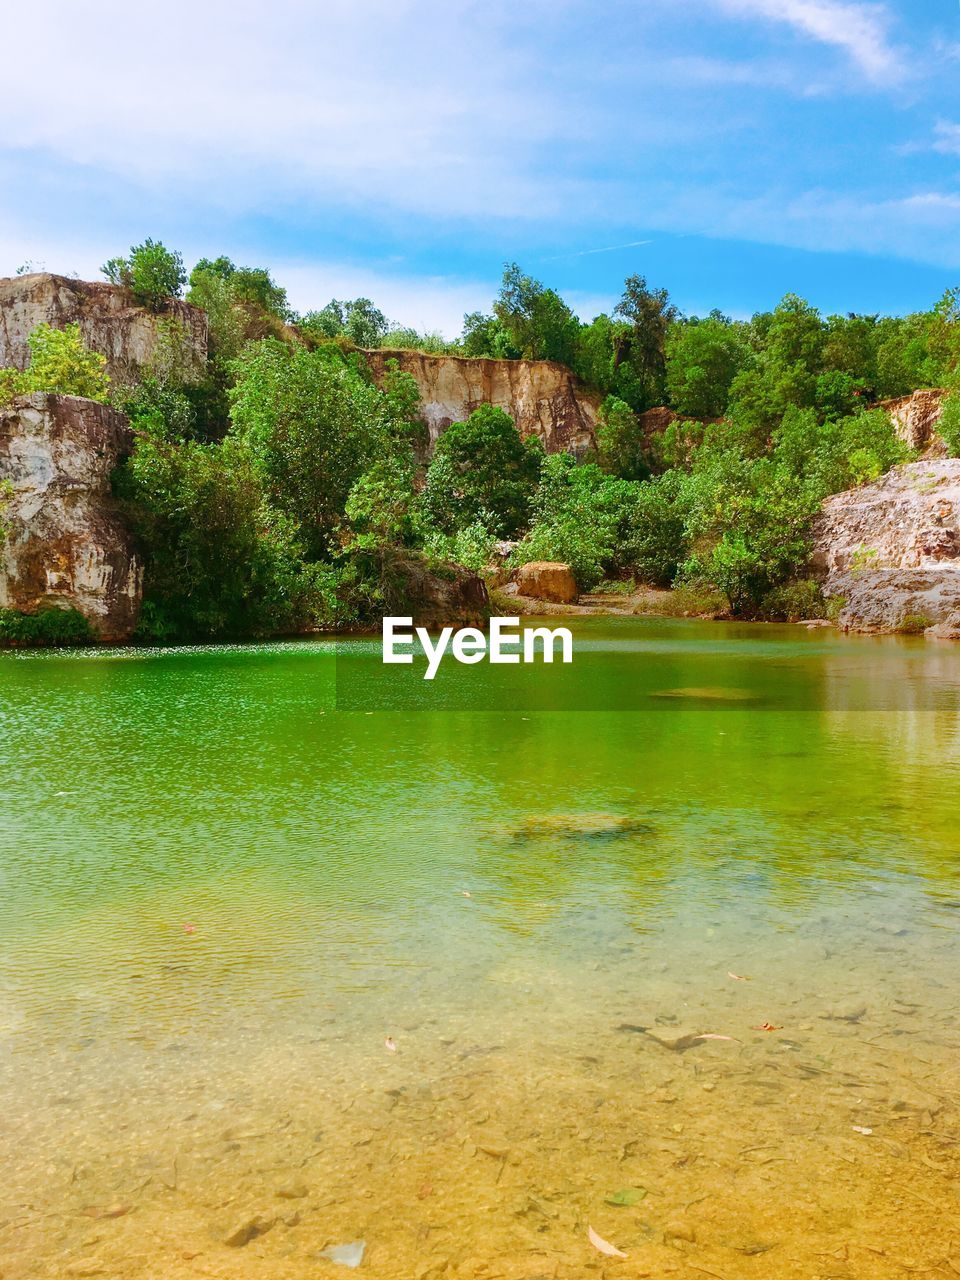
(60, 364)
(913, 624)
(482, 465)
(794, 602)
(152, 273)
(48, 626)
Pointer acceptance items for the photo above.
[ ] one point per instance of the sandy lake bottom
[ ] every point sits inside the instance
(461, 986)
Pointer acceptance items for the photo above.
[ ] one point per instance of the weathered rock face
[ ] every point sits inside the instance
(110, 320)
(544, 399)
(891, 549)
(447, 596)
(547, 580)
(66, 544)
(915, 418)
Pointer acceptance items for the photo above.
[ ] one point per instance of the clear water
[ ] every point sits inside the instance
(221, 898)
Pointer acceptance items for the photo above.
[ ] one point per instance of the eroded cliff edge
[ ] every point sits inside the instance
(110, 320)
(543, 398)
(66, 544)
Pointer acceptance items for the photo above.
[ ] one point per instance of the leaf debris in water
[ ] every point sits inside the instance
(604, 1246)
(626, 1197)
(348, 1255)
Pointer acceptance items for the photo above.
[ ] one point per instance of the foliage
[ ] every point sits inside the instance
(621, 446)
(580, 515)
(48, 626)
(537, 322)
(949, 424)
(473, 546)
(358, 322)
(794, 601)
(59, 364)
(218, 564)
(152, 272)
(482, 466)
(311, 425)
(702, 359)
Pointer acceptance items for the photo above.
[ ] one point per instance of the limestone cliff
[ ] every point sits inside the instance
(110, 320)
(66, 545)
(915, 419)
(543, 398)
(891, 550)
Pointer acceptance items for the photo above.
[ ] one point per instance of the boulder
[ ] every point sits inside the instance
(890, 550)
(66, 545)
(543, 397)
(110, 319)
(547, 580)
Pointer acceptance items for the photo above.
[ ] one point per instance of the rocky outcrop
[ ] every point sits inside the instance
(547, 580)
(915, 418)
(110, 320)
(441, 595)
(891, 550)
(543, 398)
(66, 545)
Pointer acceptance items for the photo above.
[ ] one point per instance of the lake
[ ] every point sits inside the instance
(462, 977)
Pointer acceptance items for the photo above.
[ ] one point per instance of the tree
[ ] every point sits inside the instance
(538, 323)
(648, 314)
(312, 425)
(153, 273)
(621, 444)
(60, 363)
(359, 321)
(703, 358)
(482, 465)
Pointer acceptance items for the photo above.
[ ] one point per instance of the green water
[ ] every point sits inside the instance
(219, 895)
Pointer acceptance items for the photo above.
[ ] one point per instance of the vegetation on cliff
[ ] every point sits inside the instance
(284, 489)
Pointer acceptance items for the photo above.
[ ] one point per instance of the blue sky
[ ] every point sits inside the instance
(404, 149)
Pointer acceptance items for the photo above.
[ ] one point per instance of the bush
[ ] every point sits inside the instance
(482, 465)
(60, 364)
(794, 602)
(153, 273)
(48, 626)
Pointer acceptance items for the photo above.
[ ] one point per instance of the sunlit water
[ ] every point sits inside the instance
(222, 901)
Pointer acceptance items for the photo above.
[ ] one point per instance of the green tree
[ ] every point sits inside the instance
(312, 425)
(621, 444)
(152, 272)
(703, 358)
(62, 364)
(538, 323)
(482, 465)
(648, 314)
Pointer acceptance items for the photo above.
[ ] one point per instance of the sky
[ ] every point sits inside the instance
(404, 150)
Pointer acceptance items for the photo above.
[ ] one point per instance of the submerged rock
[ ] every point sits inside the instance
(581, 826)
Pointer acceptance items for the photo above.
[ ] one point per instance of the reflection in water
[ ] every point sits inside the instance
(220, 897)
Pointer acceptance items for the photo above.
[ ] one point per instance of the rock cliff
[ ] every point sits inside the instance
(110, 320)
(891, 550)
(66, 545)
(915, 418)
(543, 398)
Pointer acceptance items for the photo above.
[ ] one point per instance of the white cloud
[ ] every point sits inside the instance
(946, 138)
(421, 106)
(860, 30)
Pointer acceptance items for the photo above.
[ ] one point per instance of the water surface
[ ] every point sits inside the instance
(221, 897)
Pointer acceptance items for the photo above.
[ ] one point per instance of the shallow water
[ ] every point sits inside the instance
(220, 896)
